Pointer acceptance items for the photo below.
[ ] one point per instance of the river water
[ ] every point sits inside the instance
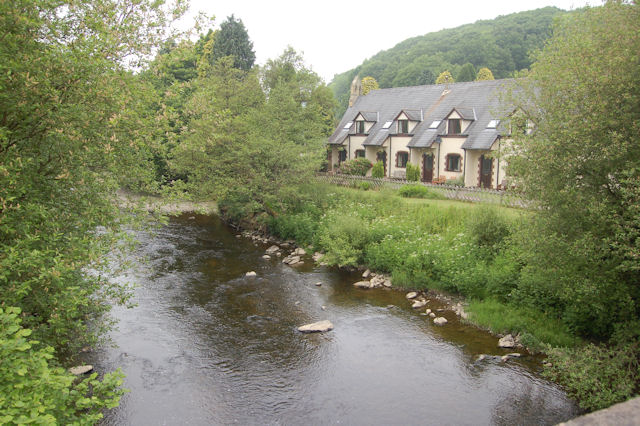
(207, 345)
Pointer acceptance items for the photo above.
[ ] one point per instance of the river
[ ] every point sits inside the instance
(207, 345)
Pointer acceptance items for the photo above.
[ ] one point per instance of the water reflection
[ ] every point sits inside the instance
(207, 345)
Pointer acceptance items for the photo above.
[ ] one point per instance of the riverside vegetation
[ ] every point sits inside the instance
(201, 120)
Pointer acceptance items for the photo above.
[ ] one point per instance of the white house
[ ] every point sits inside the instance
(451, 131)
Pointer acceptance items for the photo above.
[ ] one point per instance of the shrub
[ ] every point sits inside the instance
(365, 186)
(378, 170)
(33, 390)
(419, 191)
(488, 228)
(597, 376)
(357, 167)
(413, 173)
(301, 227)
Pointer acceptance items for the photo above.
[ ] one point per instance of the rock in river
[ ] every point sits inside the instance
(362, 284)
(419, 304)
(81, 369)
(507, 342)
(250, 274)
(440, 321)
(273, 249)
(412, 295)
(316, 327)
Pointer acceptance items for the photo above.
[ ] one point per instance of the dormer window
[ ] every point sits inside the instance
(403, 127)
(360, 127)
(454, 126)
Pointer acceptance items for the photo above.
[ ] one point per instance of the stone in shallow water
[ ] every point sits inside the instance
(362, 284)
(81, 369)
(273, 249)
(316, 327)
(412, 295)
(251, 274)
(419, 304)
(440, 321)
(507, 342)
(266, 257)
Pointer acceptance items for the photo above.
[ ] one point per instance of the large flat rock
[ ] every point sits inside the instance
(316, 327)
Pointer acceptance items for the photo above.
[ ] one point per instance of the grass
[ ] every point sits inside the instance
(535, 327)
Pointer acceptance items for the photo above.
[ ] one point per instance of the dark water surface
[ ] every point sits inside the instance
(206, 345)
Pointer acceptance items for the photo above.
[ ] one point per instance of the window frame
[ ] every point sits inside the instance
(360, 126)
(403, 125)
(450, 130)
(341, 154)
(400, 154)
(358, 151)
(447, 164)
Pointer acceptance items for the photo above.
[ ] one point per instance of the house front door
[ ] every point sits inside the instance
(427, 167)
(486, 169)
(382, 156)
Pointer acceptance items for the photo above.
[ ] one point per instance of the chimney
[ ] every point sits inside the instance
(356, 90)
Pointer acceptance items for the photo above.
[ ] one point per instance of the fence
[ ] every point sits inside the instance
(475, 195)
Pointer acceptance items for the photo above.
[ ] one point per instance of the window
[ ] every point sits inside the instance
(454, 126)
(360, 127)
(342, 156)
(435, 124)
(359, 153)
(402, 157)
(387, 124)
(453, 163)
(403, 127)
(493, 124)
(348, 125)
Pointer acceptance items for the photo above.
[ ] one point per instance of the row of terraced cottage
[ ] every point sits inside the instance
(451, 132)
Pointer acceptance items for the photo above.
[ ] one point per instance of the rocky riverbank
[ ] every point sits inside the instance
(434, 303)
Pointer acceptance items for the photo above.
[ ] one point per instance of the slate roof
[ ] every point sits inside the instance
(369, 115)
(478, 100)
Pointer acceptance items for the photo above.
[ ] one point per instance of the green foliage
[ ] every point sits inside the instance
(466, 73)
(378, 170)
(581, 166)
(420, 191)
(459, 182)
(365, 186)
(233, 40)
(357, 166)
(445, 77)
(484, 73)
(535, 328)
(599, 376)
(245, 148)
(502, 44)
(413, 173)
(488, 228)
(369, 84)
(34, 390)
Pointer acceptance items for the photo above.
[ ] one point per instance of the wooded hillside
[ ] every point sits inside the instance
(502, 44)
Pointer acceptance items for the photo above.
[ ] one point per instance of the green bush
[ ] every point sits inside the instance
(34, 390)
(599, 376)
(420, 191)
(301, 227)
(488, 228)
(357, 167)
(378, 170)
(413, 173)
(365, 186)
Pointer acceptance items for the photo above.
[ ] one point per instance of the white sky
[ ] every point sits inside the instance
(335, 36)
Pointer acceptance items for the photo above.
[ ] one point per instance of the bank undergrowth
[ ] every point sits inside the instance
(477, 251)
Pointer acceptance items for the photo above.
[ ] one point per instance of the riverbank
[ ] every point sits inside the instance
(163, 205)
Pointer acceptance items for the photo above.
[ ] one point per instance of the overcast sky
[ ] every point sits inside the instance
(335, 36)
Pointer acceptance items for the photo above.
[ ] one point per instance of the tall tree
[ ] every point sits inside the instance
(582, 166)
(484, 73)
(466, 73)
(72, 125)
(233, 40)
(445, 77)
(368, 84)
